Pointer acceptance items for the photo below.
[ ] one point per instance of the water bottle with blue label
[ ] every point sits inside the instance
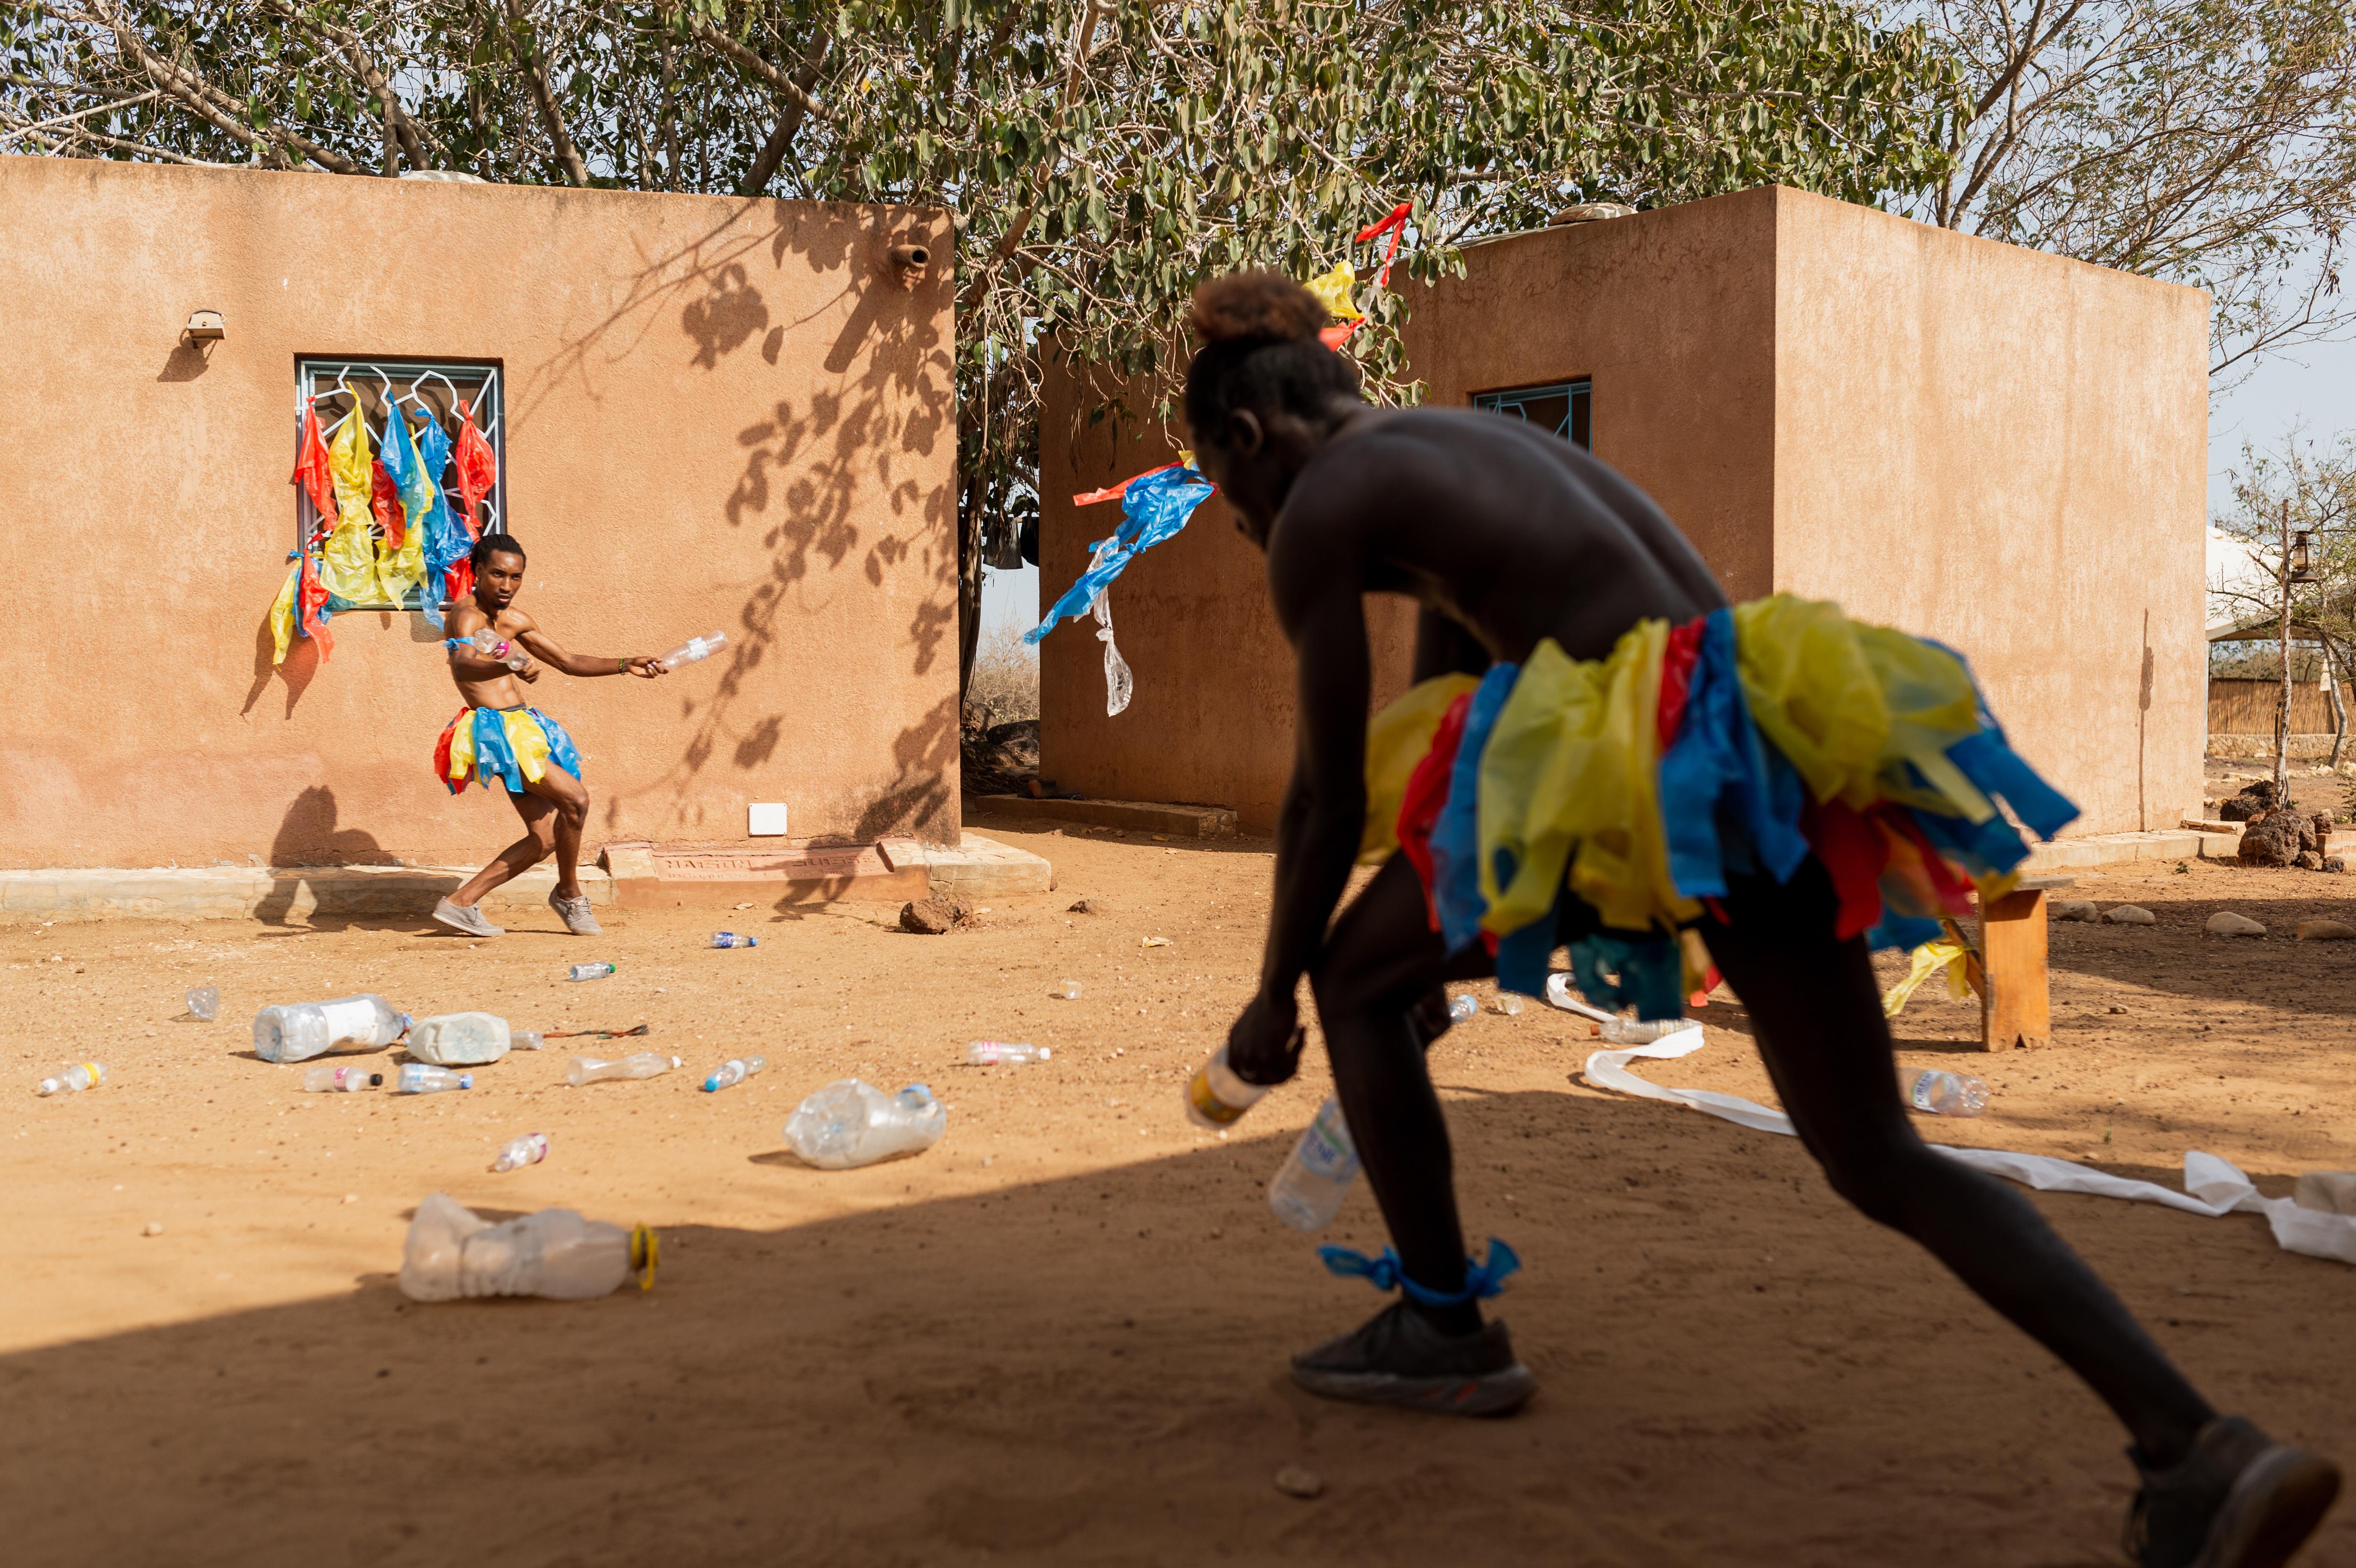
(1316, 1176)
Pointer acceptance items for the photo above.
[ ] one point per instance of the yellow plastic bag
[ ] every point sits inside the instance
(1928, 960)
(282, 615)
(1396, 740)
(1813, 694)
(347, 564)
(1337, 290)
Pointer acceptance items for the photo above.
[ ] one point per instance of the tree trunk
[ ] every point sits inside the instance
(969, 514)
(2282, 703)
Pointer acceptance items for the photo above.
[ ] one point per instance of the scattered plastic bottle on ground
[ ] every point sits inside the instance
(850, 1123)
(460, 1039)
(297, 1032)
(693, 649)
(1216, 1097)
(1461, 1008)
(1509, 1004)
(730, 939)
(643, 1065)
(1003, 1052)
(451, 1251)
(1315, 1178)
(589, 971)
(423, 1078)
(516, 1153)
(1947, 1093)
(204, 1002)
(493, 646)
(73, 1079)
(734, 1072)
(1068, 989)
(339, 1080)
(526, 1040)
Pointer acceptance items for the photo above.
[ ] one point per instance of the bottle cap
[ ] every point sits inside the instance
(466, 1080)
(1044, 1053)
(375, 1079)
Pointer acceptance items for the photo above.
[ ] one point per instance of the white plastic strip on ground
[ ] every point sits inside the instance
(2212, 1185)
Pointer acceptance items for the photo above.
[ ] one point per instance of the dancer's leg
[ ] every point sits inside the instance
(1817, 1017)
(541, 834)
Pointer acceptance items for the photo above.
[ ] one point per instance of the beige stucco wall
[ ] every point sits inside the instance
(721, 413)
(2006, 451)
(1989, 445)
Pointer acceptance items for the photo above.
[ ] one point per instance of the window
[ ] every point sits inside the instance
(1561, 408)
(441, 389)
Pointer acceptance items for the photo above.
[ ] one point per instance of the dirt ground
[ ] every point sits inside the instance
(1060, 1336)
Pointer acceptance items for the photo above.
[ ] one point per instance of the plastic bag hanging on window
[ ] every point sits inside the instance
(1120, 686)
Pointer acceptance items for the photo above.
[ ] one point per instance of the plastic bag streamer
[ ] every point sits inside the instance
(1383, 1272)
(1153, 506)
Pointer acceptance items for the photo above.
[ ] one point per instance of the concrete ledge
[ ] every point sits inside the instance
(1134, 815)
(2115, 848)
(2261, 748)
(273, 895)
(982, 868)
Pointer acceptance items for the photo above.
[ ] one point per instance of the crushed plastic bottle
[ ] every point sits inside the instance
(734, 1072)
(1508, 1004)
(643, 1065)
(460, 1039)
(204, 1003)
(730, 939)
(998, 1053)
(1309, 1188)
(693, 649)
(1461, 1008)
(1069, 990)
(451, 1253)
(1947, 1093)
(589, 971)
(72, 1078)
(850, 1123)
(423, 1078)
(1216, 1097)
(1612, 1027)
(526, 1040)
(339, 1080)
(297, 1032)
(498, 649)
(516, 1153)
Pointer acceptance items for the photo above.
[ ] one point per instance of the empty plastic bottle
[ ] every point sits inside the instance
(995, 1052)
(297, 1032)
(850, 1123)
(493, 646)
(339, 1080)
(643, 1064)
(1068, 989)
(1461, 1008)
(1216, 1097)
(516, 1153)
(451, 1251)
(734, 1072)
(694, 648)
(730, 939)
(526, 1040)
(423, 1078)
(589, 971)
(460, 1039)
(204, 1002)
(1316, 1176)
(1947, 1093)
(73, 1078)
(1509, 1004)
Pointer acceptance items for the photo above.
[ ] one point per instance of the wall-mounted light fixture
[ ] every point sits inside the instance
(204, 327)
(2302, 557)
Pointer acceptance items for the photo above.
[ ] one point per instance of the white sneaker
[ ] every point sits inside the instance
(576, 914)
(467, 918)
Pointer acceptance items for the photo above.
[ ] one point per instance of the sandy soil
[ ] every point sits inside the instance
(1060, 1336)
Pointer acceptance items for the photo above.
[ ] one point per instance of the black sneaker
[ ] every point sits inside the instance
(1399, 1358)
(2240, 1499)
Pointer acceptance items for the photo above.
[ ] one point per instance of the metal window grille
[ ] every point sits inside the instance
(1561, 408)
(342, 386)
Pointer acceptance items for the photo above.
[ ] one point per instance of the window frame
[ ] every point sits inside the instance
(1579, 392)
(333, 375)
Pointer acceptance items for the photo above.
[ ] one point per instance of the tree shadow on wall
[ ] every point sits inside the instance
(812, 473)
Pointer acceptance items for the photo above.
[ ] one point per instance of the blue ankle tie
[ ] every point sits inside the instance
(1482, 1280)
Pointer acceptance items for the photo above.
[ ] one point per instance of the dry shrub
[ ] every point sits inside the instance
(1005, 683)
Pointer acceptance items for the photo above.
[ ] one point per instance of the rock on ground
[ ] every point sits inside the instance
(2225, 922)
(2254, 801)
(932, 917)
(2326, 931)
(2070, 909)
(2130, 914)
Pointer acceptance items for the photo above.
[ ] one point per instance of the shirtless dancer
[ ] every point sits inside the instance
(499, 740)
(1508, 535)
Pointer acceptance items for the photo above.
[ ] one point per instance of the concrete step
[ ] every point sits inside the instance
(273, 895)
(894, 871)
(2114, 848)
(1132, 816)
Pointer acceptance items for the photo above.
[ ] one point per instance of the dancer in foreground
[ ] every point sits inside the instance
(496, 739)
(1599, 752)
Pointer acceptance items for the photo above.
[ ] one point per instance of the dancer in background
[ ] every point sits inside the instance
(1577, 664)
(497, 739)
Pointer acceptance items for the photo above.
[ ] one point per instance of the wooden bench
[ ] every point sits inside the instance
(2007, 966)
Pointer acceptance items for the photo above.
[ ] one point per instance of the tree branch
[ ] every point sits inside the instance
(789, 118)
(793, 91)
(568, 157)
